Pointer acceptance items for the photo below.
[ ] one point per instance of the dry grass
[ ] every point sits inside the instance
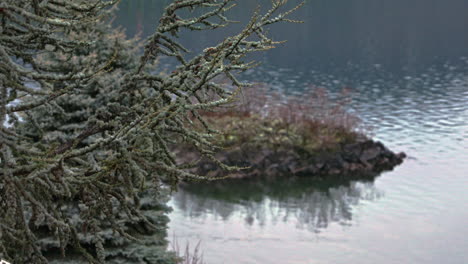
(311, 120)
(186, 254)
(313, 105)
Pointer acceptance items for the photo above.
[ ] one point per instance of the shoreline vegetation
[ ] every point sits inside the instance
(308, 135)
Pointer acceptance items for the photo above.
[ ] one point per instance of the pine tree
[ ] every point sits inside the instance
(88, 125)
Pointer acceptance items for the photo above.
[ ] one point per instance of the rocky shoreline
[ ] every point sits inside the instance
(363, 158)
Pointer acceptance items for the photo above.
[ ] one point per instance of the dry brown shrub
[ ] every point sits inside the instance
(313, 119)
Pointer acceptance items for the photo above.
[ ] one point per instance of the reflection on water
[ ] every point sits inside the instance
(399, 35)
(310, 204)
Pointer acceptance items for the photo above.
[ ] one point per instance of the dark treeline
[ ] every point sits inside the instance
(399, 35)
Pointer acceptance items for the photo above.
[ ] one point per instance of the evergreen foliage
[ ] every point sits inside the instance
(88, 125)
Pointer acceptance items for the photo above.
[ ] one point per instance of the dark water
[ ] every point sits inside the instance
(406, 62)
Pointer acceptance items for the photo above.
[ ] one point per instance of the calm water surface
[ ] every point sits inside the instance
(407, 65)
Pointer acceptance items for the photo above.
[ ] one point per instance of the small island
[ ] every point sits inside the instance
(311, 135)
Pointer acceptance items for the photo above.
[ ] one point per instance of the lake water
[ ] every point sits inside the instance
(406, 62)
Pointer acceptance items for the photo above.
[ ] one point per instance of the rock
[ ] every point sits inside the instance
(351, 152)
(370, 153)
(401, 155)
(365, 157)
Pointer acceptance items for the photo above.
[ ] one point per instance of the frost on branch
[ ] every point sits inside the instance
(87, 125)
